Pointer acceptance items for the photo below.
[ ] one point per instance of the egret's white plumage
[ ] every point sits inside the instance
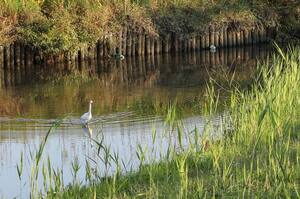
(85, 118)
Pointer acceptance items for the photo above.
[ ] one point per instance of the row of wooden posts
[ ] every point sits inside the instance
(132, 68)
(18, 57)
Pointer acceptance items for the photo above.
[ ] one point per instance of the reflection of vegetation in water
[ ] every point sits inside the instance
(69, 94)
(9, 105)
(257, 157)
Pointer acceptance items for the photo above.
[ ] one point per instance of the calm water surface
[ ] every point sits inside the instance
(127, 97)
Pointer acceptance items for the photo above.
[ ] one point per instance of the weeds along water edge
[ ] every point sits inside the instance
(258, 156)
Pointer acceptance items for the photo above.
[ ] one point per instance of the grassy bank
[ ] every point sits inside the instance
(258, 155)
(63, 25)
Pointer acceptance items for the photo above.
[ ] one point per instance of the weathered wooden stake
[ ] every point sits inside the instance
(242, 38)
(212, 36)
(238, 38)
(230, 38)
(234, 38)
(225, 35)
(1, 66)
(129, 43)
(217, 38)
(221, 38)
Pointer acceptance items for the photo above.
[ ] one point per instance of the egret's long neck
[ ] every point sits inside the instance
(90, 108)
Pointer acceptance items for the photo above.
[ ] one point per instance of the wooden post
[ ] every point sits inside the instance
(254, 36)
(211, 36)
(221, 38)
(139, 43)
(207, 44)
(193, 43)
(120, 43)
(133, 43)
(6, 54)
(12, 63)
(217, 38)
(143, 44)
(246, 36)
(250, 39)
(165, 44)
(238, 38)
(221, 56)
(124, 41)
(17, 55)
(202, 41)
(1, 66)
(242, 38)
(198, 43)
(156, 45)
(128, 43)
(234, 38)
(262, 35)
(225, 35)
(152, 45)
(17, 52)
(22, 64)
(174, 42)
(230, 38)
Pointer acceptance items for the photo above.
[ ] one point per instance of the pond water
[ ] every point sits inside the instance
(128, 98)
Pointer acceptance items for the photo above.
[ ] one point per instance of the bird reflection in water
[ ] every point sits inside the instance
(88, 131)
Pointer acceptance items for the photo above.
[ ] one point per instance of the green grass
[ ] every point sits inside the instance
(258, 156)
(69, 25)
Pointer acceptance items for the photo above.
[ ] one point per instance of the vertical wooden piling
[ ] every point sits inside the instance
(207, 42)
(166, 44)
(156, 45)
(225, 35)
(211, 36)
(139, 43)
(174, 42)
(12, 63)
(143, 44)
(1, 66)
(17, 60)
(147, 44)
(234, 38)
(22, 64)
(221, 38)
(124, 41)
(254, 36)
(246, 37)
(6, 53)
(133, 43)
(242, 38)
(238, 38)
(129, 43)
(262, 35)
(217, 38)
(202, 41)
(152, 45)
(193, 43)
(230, 38)
(198, 43)
(250, 37)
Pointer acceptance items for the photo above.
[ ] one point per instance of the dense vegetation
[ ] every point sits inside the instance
(60, 25)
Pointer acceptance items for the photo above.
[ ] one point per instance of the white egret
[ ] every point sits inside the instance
(85, 118)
